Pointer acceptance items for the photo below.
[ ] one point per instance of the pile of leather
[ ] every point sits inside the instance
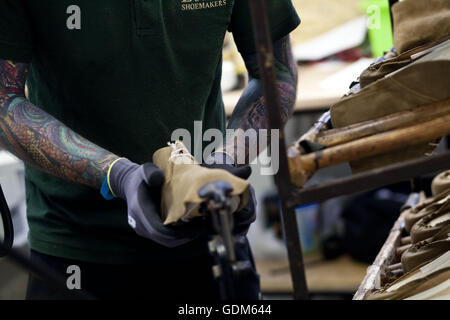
(424, 271)
(414, 73)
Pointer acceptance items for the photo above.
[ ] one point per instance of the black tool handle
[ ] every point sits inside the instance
(8, 228)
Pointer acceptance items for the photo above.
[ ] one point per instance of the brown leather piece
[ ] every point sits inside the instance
(418, 84)
(422, 229)
(441, 183)
(412, 288)
(379, 70)
(418, 22)
(423, 209)
(426, 250)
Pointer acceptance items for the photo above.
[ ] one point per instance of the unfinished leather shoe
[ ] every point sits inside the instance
(418, 280)
(426, 250)
(184, 177)
(431, 224)
(441, 183)
(425, 208)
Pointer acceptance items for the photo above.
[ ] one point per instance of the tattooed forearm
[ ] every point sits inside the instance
(250, 112)
(42, 141)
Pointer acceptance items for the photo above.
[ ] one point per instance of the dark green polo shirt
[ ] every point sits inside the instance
(124, 74)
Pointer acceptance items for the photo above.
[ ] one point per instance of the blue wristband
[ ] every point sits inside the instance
(105, 191)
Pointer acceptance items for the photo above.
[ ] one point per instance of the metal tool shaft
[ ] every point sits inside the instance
(266, 59)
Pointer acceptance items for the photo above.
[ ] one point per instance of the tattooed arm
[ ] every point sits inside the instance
(42, 141)
(250, 112)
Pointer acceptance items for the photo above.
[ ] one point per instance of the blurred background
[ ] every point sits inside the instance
(335, 42)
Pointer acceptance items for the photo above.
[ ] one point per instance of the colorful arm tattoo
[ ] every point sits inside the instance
(250, 112)
(42, 141)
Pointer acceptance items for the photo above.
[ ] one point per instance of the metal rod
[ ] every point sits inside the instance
(369, 146)
(226, 228)
(311, 135)
(8, 228)
(393, 121)
(370, 180)
(266, 60)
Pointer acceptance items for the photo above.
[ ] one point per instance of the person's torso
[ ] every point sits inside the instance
(138, 69)
(124, 74)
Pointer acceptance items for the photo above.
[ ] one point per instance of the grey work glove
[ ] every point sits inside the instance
(244, 218)
(140, 186)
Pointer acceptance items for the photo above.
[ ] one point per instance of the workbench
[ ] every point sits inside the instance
(313, 93)
(338, 276)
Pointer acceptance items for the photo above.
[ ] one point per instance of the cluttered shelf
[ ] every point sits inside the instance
(413, 274)
(414, 262)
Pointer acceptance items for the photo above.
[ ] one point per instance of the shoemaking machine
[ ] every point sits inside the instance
(228, 268)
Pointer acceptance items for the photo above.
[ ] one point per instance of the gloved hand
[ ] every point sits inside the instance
(140, 186)
(244, 218)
